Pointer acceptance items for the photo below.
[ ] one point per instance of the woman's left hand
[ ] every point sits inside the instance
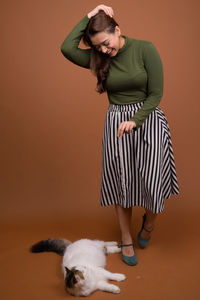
(125, 127)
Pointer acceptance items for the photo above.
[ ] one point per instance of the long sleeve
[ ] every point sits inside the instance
(69, 47)
(153, 66)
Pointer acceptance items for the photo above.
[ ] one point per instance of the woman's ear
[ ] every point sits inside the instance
(117, 30)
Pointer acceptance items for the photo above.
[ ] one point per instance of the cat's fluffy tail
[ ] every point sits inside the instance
(51, 245)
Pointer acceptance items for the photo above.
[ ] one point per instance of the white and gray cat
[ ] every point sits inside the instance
(83, 264)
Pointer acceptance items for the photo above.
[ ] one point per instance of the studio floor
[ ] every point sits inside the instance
(167, 270)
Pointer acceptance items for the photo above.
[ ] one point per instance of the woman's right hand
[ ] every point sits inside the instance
(108, 10)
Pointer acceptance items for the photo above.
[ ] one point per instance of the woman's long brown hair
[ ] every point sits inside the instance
(99, 62)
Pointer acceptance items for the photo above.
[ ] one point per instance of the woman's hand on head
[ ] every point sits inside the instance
(108, 10)
(125, 127)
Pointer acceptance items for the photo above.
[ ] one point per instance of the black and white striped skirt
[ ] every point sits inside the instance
(137, 169)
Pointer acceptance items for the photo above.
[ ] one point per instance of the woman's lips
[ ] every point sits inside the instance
(110, 52)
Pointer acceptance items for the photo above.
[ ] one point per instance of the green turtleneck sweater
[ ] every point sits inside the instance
(135, 73)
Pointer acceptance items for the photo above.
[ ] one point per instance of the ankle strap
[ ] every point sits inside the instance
(147, 230)
(127, 245)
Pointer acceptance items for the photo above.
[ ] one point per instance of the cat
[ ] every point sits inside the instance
(83, 264)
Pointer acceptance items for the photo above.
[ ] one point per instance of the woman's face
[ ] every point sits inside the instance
(106, 42)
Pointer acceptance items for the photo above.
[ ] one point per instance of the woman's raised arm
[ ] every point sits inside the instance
(69, 47)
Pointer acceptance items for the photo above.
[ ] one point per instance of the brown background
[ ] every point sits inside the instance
(51, 129)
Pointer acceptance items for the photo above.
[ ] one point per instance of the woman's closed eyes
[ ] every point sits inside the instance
(98, 47)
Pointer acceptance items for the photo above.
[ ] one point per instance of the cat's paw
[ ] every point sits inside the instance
(119, 277)
(115, 289)
(118, 249)
(113, 249)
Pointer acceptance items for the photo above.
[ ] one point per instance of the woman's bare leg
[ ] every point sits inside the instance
(124, 217)
(149, 224)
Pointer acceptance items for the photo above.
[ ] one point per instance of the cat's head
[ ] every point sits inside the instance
(74, 278)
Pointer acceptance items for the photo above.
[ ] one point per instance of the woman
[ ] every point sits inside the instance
(138, 164)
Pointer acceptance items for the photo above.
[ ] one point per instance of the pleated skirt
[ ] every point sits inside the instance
(137, 169)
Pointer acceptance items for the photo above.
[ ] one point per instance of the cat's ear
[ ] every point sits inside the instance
(67, 270)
